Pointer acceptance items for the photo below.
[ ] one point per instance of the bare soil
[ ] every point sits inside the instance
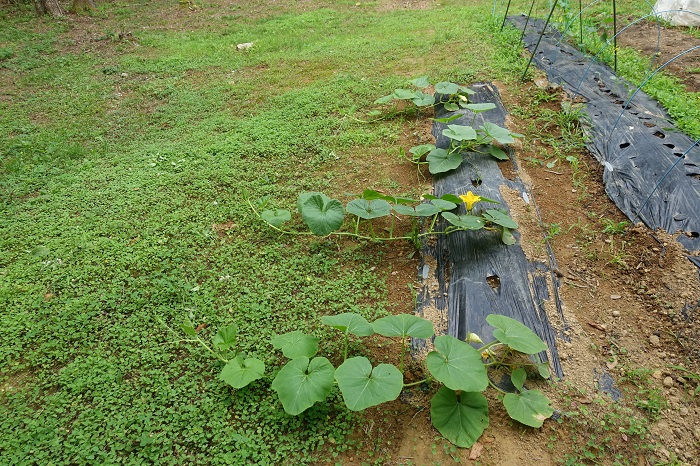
(663, 43)
(630, 299)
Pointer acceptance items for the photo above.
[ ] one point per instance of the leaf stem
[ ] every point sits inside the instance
(412, 384)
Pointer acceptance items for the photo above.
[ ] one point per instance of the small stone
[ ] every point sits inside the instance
(668, 382)
(657, 374)
(696, 433)
(654, 340)
(684, 411)
(244, 46)
(615, 296)
(563, 356)
(616, 313)
(680, 380)
(124, 75)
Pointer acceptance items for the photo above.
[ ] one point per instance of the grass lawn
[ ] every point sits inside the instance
(130, 142)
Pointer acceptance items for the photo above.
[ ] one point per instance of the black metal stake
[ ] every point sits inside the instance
(527, 20)
(615, 34)
(505, 15)
(580, 23)
(546, 23)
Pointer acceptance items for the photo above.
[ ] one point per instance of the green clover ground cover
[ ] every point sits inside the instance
(110, 187)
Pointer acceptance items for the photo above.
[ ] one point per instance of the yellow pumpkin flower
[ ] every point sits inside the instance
(470, 199)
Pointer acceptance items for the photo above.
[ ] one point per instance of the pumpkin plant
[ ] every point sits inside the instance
(463, 138)
(456, 370)
(325, 216)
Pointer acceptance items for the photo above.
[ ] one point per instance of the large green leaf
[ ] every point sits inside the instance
(467, 222)
(421, 150)
(478, 108)
(516, 335)
(427, 209)
(405, 210)
(296, 344)
(363, 386)
(301, 383)
(422, 99)
(459, 132)
(499, 218)
(440, 161)
(369, 209)
(321, 214)
(461, 419)
(443, 204)
(404, 94)
(497, 153)
(498, 133)
(530, 407)
(445, 87)
(404, 325)
(349, 322)
(421, 81)
(457, 365)
(225, 338)
(276, 217)
(238, 372)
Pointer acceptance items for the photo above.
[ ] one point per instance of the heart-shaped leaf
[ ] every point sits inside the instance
(427, 209)
(530, 407)
(461, 419)
(405, 210)
(445, 87)
(321, 214)
(459, 132)
(349, 322)
(420, 151)
(440, 161)
(451, 107)
(369, 209)
(457, 364)
(225, 338)
(543, 369)
(238, 372)
(499, 218)
(363, 386)
(466, 222)
(443, 204)
(497, 153)
(421, 82)
(301, 383)
(296, 344)
(478, 108)
(516, 335)
(404, 94)
(276, 217)
(404, 325)
(498, 133)
(422, 99)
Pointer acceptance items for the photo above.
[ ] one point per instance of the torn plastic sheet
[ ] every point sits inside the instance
(485, 275)
(651, 169)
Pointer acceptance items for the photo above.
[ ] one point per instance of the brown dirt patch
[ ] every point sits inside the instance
(664, 43)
